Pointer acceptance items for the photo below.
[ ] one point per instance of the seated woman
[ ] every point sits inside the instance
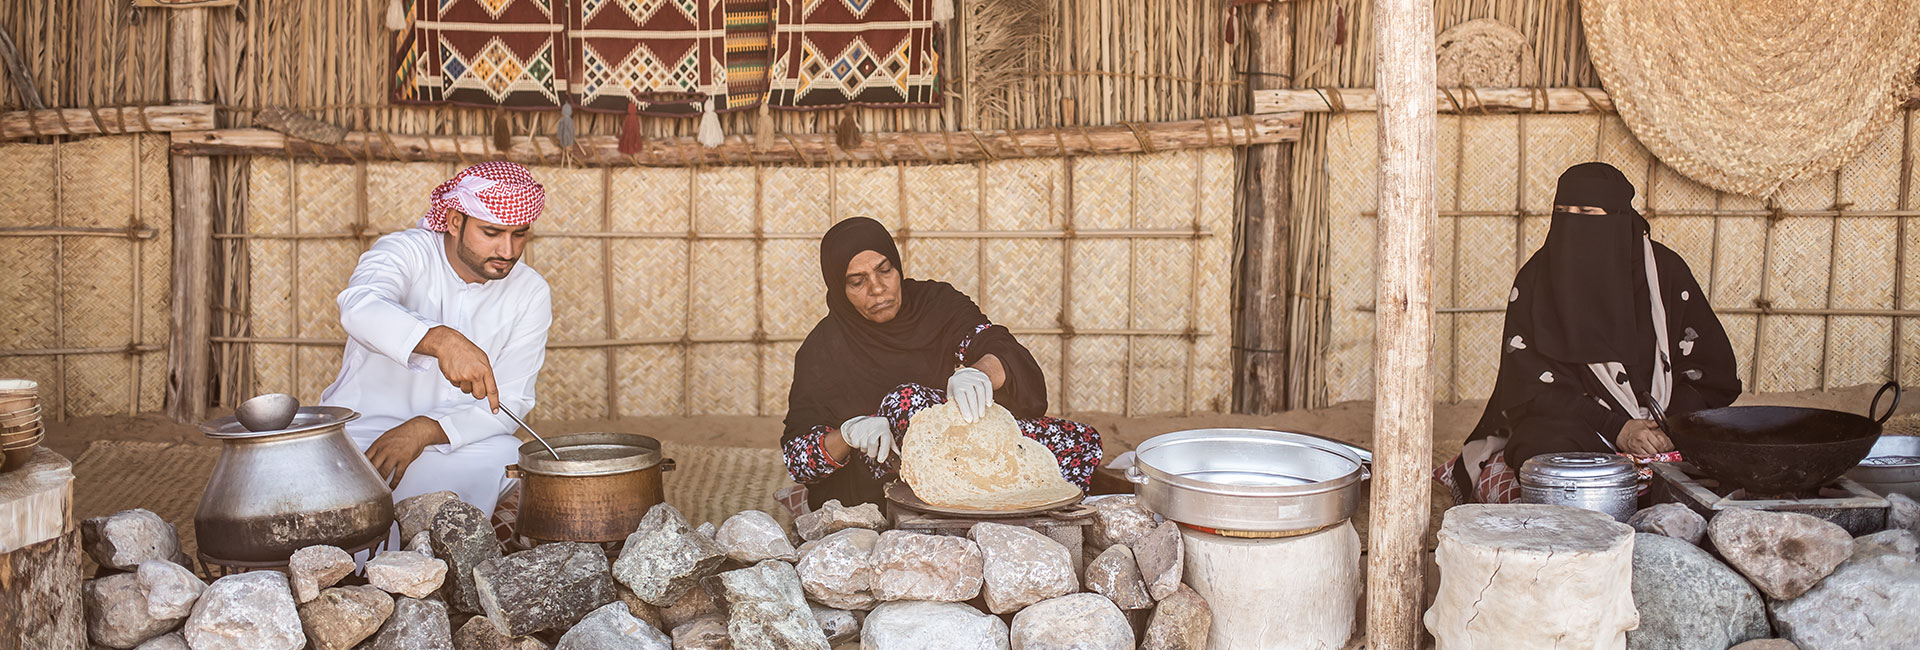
(1599, 318)
(889, 347)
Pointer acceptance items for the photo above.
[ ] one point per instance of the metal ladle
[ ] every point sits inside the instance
(269, 412)
(536, 434)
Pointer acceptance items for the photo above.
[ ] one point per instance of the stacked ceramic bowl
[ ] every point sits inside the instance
(20, 430)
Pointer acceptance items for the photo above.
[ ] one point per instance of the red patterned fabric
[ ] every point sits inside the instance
(495, 191)
(669, 56)
(481, 53)
(868, 52)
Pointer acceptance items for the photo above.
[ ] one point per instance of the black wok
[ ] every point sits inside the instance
(1777, 450)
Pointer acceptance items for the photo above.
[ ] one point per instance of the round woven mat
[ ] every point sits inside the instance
(1747, 96)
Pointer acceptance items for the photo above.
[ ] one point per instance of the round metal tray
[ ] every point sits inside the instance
(902, 495)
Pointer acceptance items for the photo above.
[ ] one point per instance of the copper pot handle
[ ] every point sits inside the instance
(667, 464)
(513, 472)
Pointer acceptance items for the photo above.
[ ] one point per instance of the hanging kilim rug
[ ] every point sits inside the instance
(669, 56)
(481, 53)
(1748, 96)
(869, 52)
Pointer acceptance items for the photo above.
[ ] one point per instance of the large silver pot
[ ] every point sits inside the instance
(1250, 480)
(1893, 467)
(275, 492)
(1605, 483)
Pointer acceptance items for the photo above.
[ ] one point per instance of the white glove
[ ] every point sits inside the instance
(869, 434)
(972, 391)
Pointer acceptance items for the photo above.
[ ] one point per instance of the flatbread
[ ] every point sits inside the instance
(986, 465)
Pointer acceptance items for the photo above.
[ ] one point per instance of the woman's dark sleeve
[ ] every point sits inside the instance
(1569, 404)
(1025, 392)
(1705, 374)
(808, 420)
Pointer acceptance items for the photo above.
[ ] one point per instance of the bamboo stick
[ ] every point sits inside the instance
(61, 352)
(901, 234)
(700, 340)
(115, 120)
(133, 232)
(1448, 100)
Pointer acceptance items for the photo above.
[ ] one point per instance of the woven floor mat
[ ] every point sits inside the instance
(713, 483)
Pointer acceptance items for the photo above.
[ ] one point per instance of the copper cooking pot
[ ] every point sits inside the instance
(598, 490)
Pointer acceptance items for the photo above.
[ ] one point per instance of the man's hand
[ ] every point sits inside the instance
(399, 446)
(463, 363)
(1643, 437)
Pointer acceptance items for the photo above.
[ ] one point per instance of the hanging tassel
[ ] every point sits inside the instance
(763, 128)
(396, 16)
(631, 139)
(502, 130)
(942, 11)
(710, 135)
(848, 134)
(563, 130)
(1339, 26)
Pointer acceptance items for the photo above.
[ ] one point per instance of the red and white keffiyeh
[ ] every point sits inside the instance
(496, 191)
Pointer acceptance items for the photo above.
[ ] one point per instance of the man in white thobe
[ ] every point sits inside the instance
(444, 327)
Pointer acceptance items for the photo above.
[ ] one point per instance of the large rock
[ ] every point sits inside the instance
(481, 633)
(317, 567)
(613, 628)
(1869, 602)
(1902, 512)
(406, 573)
(174, 641)
(664, 558)
(1115, 574)
(752, 536)
(695, 605)
(837, 570)
(1766, 644)
(246, 611)
(171, 589)
(840, 626)
(415, 514)
(1782, 553)
(640, 609)
(1021, 567)
(833, 517)
(1672, 520)
(1897, 541)
(414, 625)
(1180, 622)
(1119, 519)
(547, 588)
(1072, 622)
(708, 633)
(341, 617)
(1161, 557)
(916, 566)
(766, 608)
(922, 625)
(463, 537)
(118, 615)
(1688, 600)
(125, 539)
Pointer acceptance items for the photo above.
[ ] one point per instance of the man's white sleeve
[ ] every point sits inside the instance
(370, 308)
(515, 370)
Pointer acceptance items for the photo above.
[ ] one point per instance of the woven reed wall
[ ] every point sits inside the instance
(85, 230)
(1816, 286)
(687, 291)
(1322, 59)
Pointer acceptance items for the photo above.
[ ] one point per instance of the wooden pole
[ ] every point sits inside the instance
(1261, 337)
(1403, 322)
(190, 358)
(1449, 100)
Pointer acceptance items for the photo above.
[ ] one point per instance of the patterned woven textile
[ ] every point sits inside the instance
(669, 55)
(870, 52)
(481, 53)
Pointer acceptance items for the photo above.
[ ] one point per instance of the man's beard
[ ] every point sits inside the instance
(478, 264)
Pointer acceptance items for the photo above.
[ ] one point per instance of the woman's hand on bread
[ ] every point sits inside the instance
(870, 434)
(971, 390)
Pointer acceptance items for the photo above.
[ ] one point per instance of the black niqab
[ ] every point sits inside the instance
(1595, 267)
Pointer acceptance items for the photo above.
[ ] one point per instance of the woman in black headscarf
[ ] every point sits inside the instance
(878, 355)
(1600, 318)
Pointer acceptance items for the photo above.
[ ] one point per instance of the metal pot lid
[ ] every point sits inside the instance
(1249, 462)
(308, 418)
(1578, 469)
(591, 454)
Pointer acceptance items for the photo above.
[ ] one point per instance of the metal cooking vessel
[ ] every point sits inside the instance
(598, 493)
(1251, 480)
(276, 492)
(1892, 467)
(1606, 483)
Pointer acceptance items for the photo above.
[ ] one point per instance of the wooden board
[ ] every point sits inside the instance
(184, 4)
(112, 120)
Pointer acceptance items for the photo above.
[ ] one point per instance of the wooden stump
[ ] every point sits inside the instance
(40, 578)
(1293, 593)
(1533, 576)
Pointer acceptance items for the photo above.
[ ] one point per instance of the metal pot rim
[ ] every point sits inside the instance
(534, 458)
(308, 418)
(1307, 443)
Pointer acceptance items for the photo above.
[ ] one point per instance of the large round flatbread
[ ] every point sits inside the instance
(986, 465)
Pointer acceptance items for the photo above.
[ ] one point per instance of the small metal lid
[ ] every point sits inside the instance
(308, 418)
(1578, 469)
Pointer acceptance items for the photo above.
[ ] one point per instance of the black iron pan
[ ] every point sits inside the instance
(1776, 450)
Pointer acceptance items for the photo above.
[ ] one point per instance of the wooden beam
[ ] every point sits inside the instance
(907, 147)
(184, 4)
(190, 358)
(113, 120)
(1403, 323)
(1448, 100)
(1262, 333)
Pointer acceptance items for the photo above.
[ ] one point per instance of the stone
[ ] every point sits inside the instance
(317, 567)
(125, 539)
(1073, 622)
(1523, 576)
(1119, 519)
(664, 558)
(837, 570)
(1766, 644)
(922, 625)
(414, 625)
(1179, 622)
(421, 543)
(415, 513)
(1161, 558)
(752, 536)
(406, 573)
(480, 633)
(546, 588)
(341, 617)
(833, 517)
(1670, 519)
(174, 641)
(171, 589)
(118, 615)
(840, 626)
(246, 611)
(1893, 540)
(916, 566)
(463, 537)
(1021, 567)
(696, 605)
(1902, 512)
(640, 609)
(767, 609)
(1690, 601)
(1868, 602)
(1115, 575)
(708, 633)
(708, 529)
(611, 627)
(1782, 553)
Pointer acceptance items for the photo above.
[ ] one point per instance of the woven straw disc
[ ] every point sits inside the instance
(1749, 96)
(1484, 53)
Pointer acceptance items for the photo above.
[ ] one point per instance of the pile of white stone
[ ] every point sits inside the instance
(1774, 574)
(670, 586)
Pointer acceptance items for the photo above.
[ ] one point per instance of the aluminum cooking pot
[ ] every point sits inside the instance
(1251, 480)
(276, 492)
(1891, 467)
(1606, 483)
(598, 492)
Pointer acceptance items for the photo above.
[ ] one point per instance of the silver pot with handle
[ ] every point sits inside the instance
(274, 492)
(1250, 480)
(1605, 483)
(1892, 467)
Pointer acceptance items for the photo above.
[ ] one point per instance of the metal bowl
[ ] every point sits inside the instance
(1892, 467)
(1251, 480)
(269, 412)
